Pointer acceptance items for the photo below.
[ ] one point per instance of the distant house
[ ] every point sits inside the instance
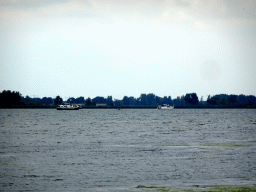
(101, 104)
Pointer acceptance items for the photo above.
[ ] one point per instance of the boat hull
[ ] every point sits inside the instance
(60, 108)
(166, 108)
(68, 107)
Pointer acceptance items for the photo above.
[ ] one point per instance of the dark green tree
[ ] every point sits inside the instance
(71, 100)
(27, 99)
(143, 99)
(191, 98)
(126, 100)
(159, 100)
(223, 101)
(8, 98)
(58, 100)
(99, 100)
(117, 102)
(132, 101)
(201, 100)
(109, 100)
(80, 100)
(88, 101)
(251, 100)
(170, 100)
(176, 101)
(47, 100)
(241, 99)
(151, 99)
(165, 100)
(232, 99)
(213, 100)
(138, 101)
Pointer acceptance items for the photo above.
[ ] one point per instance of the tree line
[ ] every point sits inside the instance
(11, 98)
(232, 100)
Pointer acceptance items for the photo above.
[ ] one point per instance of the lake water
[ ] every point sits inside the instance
(116, 150)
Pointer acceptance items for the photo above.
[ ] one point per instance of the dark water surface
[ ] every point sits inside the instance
(114, 150)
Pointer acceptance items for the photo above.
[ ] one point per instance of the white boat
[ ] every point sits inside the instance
(68, 107)
(165, 106)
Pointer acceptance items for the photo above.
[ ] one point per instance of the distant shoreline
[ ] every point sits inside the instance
(132, 107)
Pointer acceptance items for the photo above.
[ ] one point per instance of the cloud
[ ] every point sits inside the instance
(167, 13)
(183, 3)
(225, 9)
(33, 9)
(20, 13)
(30, 4)
(214, 9)
(71, 9)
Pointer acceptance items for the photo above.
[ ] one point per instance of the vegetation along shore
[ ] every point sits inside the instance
(13, 99)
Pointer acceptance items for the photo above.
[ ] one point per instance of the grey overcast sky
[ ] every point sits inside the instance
(122, 48)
